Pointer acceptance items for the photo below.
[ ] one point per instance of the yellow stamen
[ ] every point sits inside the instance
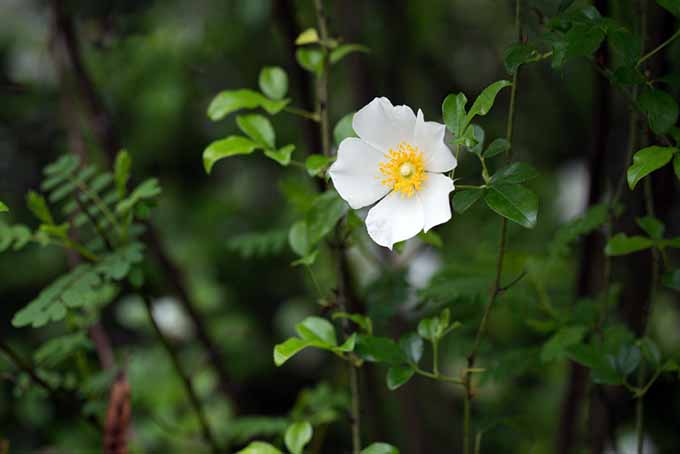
(404, 170)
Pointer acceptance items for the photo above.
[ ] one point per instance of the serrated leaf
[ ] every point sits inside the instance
(398, 376)
(309, 36)
(273, 82)
(660, 108)
(485, 100)
(231, 146)
(496, 147)
(259, 447)
(621, 244)
(282, 155)
(515, 173)
(297, 436)
(230, 101)
(311, 60)
(453, 112)
(464, 199)
(380, 448)
(343, 128)
(513, 202)
(344, 50)
(258, 128)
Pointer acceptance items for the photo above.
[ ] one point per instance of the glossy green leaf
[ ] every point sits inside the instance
(121, 172)
(398, 375)
(464, 199)
(453, 112)
(231, 146)
(286, 350)
(309, 36)
(412, 345)
(380, 448)
(317, 329)
(311, 60)
(660, 108)
(230, 101)
(259, 447)
(297, 436)
(648, 160)
(496, 147)
(347, 346)
(485, 100)
(316, 164)
(343, 129)
(514, 202)
(273, 82)
(258, 128)
(344, 50)
(379, 349)
(517, 172)
(621, 244)
(282, 155)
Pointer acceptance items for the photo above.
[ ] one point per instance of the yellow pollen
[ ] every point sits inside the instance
(404, 170)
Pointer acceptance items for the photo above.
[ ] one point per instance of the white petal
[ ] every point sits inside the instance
(434, 195)
(395, 218)
(383, 125)
(356, 175)
(429, 138)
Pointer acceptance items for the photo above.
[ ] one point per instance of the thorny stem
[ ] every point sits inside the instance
(496, 289)
(322, 111)
(186, 380)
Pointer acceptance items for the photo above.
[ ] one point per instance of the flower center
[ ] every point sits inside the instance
(404, 170)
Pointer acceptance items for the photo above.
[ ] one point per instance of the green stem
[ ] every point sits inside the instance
(208, 436)
(435, 357)
(658, 48)
(303, 113)
(356, 414)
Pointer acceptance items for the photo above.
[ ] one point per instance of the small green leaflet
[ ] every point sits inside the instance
(647, 161)
(3, 208)
(660, 108)
(621, 244)
(282, 155)
(316, 164)
(453, 112)
(308, 36)
(259, 447)
(230, 101)
(380, 448)
(297, 436)
(485, 100)
(311, 60)
(343, 50)
(258, 128)
(273, 82)
(224, 148)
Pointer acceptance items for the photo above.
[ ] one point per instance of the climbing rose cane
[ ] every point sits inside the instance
(398, 160)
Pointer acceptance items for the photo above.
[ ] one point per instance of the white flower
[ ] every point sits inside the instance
(397, 161)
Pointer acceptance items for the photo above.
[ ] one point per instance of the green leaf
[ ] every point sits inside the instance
(453, 112)
(648, 160)
(517, 55)
(517, 172)
(603, 371)
(399, 375)
(583, 40)
(273, 82)
(671, 279)
(148, 190)
(299, 239)
(343, 50)
(556, 347)
(412, 345)
(514, 202)
(258, 128)
(231, 146)
(660, 108)
(474, 139)
(485, 100)
(122, 172)
(672, 6)
(497, 147)
(627, 359)
(464, 199)
(652, 226)
(621, 244)
(362, 321)
(297, 436)
(38, 206)
(311, 60)
(348, 345)
(432, 238)
(282, 155)
(283, 352)
(327, 209)
(343, 129)
(317, 329)
(380, 448)
(57, 350)
(230, 101)
(259, 447)
(379, 350)
(307, 260)
(676, 165)
(3, 208)
(316, 164)
(309, 36)
(650, 352)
